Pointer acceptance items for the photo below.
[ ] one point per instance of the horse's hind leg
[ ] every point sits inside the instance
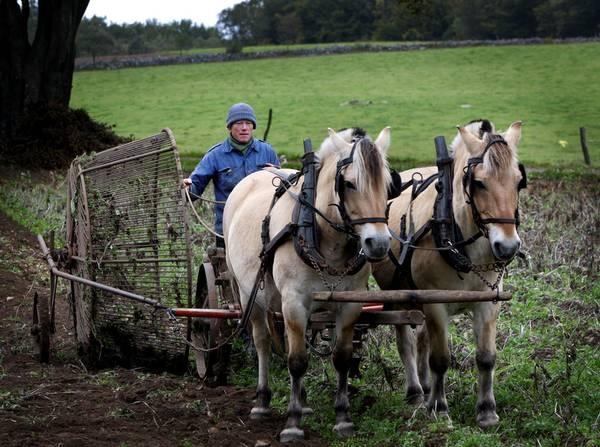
(423, 359)
(342, 357)
(407, 345)
(262, 342)
(296, 319)
(439, 357)
(484, 324)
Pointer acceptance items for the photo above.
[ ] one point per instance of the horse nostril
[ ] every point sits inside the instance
(506, 251)
(376, 246)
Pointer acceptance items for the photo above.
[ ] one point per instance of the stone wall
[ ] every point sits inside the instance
(147, 60)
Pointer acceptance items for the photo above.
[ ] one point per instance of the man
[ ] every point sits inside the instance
(228, 162)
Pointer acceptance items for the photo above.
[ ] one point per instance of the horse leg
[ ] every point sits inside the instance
(342, 357)
(439, 358)
(306, 410)
(484, 323)
(296, 319)
(406, 344)
(423, 359)
(262, 342)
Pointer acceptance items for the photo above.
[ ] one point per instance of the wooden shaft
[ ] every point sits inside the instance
(413, 296)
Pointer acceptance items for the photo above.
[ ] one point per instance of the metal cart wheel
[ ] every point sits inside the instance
(212, 366)
(41, 326)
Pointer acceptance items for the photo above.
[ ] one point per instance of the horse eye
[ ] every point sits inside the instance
(349, 185)
(478, 184)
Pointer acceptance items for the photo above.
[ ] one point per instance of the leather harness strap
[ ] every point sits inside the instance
(303, 229)
(447, 235)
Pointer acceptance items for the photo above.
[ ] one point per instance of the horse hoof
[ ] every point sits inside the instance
(307, 411)
(487, 420)
(260, 413)
(442, 417)
(291, 434)
(414, 397)
(344, 429)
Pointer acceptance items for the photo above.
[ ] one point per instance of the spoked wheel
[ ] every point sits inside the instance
(209, 333)
(40, 328)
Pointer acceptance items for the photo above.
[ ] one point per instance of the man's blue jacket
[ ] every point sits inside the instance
(226, 167)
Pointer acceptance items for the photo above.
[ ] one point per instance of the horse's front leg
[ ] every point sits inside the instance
(296, 318)
(342, 357)
(484, 324)
(439, 356)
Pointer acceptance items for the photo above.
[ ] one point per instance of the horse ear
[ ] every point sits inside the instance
(472, 143)
(337, 140)
(384, 139)
(513, 134)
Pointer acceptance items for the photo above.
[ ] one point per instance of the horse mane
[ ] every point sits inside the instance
(368, 161)
(497, 158)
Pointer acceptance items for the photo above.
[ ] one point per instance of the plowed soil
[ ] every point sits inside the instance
(64, 404)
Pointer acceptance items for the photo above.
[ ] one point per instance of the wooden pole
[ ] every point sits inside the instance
(584, 147)
(413, 296)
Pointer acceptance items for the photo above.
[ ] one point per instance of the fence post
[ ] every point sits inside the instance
(584, 147)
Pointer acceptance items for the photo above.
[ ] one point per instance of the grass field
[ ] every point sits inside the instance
(547, 380)
(553, 89)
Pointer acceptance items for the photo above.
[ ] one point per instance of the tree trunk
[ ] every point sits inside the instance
(41, 72)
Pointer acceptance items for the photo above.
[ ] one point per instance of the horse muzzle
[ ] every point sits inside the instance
(376, 248)
(504, 248)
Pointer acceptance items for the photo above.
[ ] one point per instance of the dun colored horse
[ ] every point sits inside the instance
(486, 182)
(353, 177)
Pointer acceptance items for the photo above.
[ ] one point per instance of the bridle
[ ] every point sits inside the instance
(468, 182)
(340, 188)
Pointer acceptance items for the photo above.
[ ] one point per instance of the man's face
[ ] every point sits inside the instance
(242, 131)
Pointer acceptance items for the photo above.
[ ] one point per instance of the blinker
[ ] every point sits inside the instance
(523, 182)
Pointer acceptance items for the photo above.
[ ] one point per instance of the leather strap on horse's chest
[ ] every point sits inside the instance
(409, 241)
(306, 237)
(444, 229)
(442, 225)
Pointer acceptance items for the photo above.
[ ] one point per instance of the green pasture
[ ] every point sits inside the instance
(553, 89)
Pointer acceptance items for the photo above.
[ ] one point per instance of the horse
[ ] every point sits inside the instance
(350, 209)
(486, 182)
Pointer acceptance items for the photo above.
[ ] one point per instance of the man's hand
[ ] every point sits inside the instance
(186, 182)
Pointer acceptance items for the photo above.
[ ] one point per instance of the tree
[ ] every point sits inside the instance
(94, 38)
(561, 18)
(40, 72)
(184, 39)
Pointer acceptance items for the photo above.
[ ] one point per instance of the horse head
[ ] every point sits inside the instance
(488, 178)
(358, 175)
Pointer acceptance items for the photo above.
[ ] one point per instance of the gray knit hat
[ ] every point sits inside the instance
(240, 111)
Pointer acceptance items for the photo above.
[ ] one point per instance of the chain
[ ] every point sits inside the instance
(177, 332)
(331, 286)
(498, 267)
(176, 328)
(326, 352)
(501, 274)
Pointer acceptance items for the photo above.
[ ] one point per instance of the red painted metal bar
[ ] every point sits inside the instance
(372, 307)
(206, 313)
